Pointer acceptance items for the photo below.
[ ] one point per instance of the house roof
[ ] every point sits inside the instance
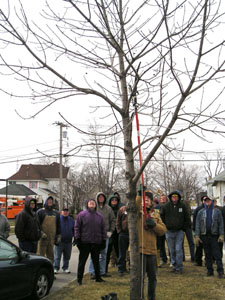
(17, 190)
(39, 172)
(48, 191)
(218, 178)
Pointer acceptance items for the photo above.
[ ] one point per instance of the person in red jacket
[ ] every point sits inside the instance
(122, 230)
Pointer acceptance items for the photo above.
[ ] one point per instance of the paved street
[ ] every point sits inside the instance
(62, 279)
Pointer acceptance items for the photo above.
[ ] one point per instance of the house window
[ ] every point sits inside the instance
(33, 184)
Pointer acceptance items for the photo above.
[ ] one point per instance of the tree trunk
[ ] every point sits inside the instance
(135, 285)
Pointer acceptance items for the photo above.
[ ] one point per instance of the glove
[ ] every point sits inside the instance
(57, 239)
(77, 242)
(140, 189)
(102, 245)
(109, 234)
(150, 223)
(221, 239)
(44, 236)
(197, 240)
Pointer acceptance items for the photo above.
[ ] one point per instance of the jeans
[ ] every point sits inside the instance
(102, 261)
(149, 266)
(212, 251)
(123, 246)
(28, 246)
(175, 244)
(65, 250)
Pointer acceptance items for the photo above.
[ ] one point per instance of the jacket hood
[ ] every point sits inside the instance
(46, 203)
(117, 195)
(176, 193)
(98, 194)
(210, 207)
(86, 203)
(110, 199)
(27, 204)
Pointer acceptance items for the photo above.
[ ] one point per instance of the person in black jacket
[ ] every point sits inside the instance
(175, 216)
(115, 203)
(27, 226)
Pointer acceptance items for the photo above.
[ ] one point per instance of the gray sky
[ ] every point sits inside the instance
(20, 138)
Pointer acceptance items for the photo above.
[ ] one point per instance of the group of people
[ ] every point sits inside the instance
(46, 231)
(103, 226)
(96, 231)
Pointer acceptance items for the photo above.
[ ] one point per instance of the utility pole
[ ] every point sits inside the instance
(61, 125)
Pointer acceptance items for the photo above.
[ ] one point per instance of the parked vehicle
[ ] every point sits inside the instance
(23, 274)
(14, 206)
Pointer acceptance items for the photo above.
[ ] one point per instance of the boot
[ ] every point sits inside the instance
(99, 279)
(112, 296)
(158, 258)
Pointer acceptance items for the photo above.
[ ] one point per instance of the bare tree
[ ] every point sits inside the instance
(165, 52)
(211, 170)
(106, 161)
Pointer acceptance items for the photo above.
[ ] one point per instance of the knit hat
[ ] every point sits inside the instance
(207, 199)
(149, 194)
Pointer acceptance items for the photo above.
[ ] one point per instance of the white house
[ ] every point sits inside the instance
(42, 179)
(216, 188)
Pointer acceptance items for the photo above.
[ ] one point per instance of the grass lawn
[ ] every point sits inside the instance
(191, 285)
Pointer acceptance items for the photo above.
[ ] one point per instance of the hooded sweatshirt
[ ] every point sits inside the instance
(49, 211)
(27, 226)
(107, 212)
(67, 228)
(90, 226)
(4, 226)
(175, 217)
(118, 206)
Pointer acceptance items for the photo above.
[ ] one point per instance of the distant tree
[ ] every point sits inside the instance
(165, 52)
(211, 168)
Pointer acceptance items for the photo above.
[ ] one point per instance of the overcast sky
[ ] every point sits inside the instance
(20, 138)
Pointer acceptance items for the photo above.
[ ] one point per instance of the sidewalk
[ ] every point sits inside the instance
(62, 279)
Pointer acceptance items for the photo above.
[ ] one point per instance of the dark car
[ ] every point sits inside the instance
(23, 274)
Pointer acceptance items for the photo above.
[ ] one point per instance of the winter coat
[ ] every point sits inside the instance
(90, 226)
(196, 211)
(147, 237)
(67, 229)
(176, 217)
(107, 213)
(49, 211)
(27, 225)
(122, 221)
(4, 227)
(217, 226)
(223, 214)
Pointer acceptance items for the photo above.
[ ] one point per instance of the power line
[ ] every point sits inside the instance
(106, 158)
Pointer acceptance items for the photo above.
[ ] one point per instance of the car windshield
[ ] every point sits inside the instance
(7, 250)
